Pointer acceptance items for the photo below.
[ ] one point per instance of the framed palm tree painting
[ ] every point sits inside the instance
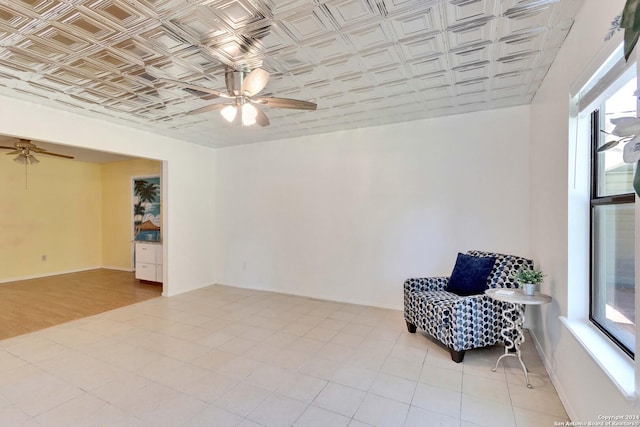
(146, 209)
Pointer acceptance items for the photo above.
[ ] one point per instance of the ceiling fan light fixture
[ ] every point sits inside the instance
(249, 114)
(26, 159)
(229, 113)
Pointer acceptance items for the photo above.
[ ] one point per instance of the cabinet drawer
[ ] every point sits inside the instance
(146, 271)
(145, 253)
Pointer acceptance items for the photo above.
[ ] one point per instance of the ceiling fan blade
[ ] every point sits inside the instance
(261, 118)
(195, 87)
(7, 148)
(206, 108)
(294, 104)
(25, 143)
(55, 154)
(13, 152)
(255, 81)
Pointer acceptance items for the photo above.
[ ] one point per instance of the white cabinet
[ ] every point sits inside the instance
(149, 261)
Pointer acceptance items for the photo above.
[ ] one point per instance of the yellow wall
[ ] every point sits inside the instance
(117, 209)
(58, 215)
(78, 214)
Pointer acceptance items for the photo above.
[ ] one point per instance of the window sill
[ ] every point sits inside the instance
(618, 366)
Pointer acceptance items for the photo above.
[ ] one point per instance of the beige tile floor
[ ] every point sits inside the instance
(223, 356)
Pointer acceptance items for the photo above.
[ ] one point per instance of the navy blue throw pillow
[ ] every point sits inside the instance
(470, 274)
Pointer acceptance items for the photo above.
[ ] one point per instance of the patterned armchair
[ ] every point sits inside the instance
(461, 322)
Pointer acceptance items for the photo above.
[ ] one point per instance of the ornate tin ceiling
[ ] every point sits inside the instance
(364, 62)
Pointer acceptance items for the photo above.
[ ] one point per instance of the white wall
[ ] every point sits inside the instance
(586, 391)
(350, 215)
(188, 180)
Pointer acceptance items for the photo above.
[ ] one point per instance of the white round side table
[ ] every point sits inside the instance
(515, 298)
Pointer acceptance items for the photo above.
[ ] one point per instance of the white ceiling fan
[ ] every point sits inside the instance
(24, 149)
(243, 104)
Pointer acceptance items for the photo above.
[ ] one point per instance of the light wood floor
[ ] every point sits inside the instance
(34, 304)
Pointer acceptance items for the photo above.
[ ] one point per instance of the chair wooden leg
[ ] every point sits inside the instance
(411, 327)
(456, 356)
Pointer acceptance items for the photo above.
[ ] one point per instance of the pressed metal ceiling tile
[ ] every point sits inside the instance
(471, 98)
(476, 86)
(77, 22)
(238, 14)
(110, 60)
(108, 90)
(307, 25)
(64, 40)
(285, 7)
(433, 81)
(471, 56)
(522, 19)
(328, 49)
(521, 43)
(165, 40)
(39, 50)
(428, 66)
(370, 37)
(352, 13)
(423, 47)
(200, 24)
(336, 69)
(14, 60)
(460, 12)
(395, 6)
(472, 72)
(520, 62)
(416, 23)
(388, 74)
(475, 33)
(357, 80)
(90, 68)
(119, 13)
(365, 62)
(379, 58)
(14, 20)
(275, 40)
(399, 88)
(440, 100)
(201, 60)
(45, 8)
(136, 49)
(517, 78)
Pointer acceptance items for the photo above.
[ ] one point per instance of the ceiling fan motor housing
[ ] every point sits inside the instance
(233, 80)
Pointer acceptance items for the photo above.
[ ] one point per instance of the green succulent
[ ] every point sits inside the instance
(528, 275)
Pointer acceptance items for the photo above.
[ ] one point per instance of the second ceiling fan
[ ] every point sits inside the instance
(243, 104)
(25, 149)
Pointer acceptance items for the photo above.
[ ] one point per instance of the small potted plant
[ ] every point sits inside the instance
(528, 278)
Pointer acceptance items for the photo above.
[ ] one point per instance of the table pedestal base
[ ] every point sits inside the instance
(513, 337)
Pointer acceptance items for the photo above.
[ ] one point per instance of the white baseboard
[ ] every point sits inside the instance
(554, 379)
(57, 273)
(321, 297)
(109, 267)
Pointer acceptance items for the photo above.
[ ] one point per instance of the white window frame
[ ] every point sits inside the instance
(586, 94)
